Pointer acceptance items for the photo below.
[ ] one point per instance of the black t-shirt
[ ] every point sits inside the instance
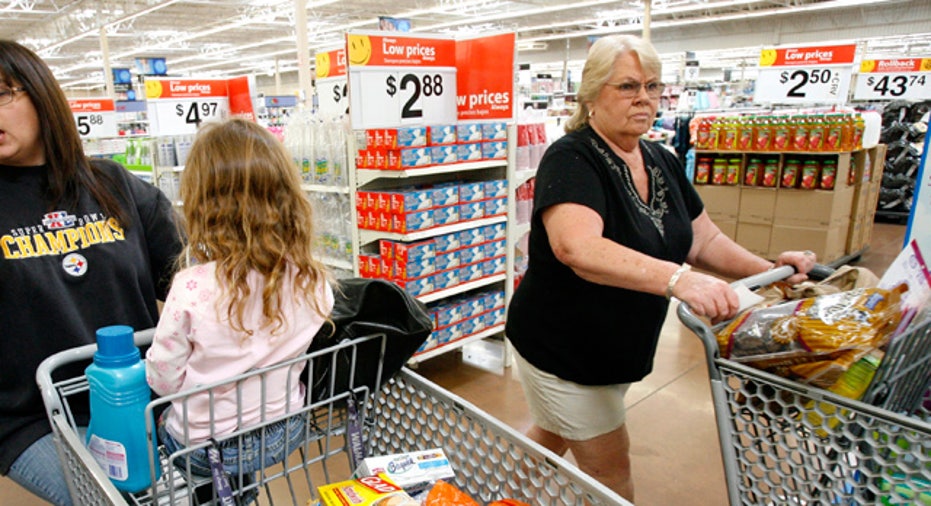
(65, 273)
(581, 331)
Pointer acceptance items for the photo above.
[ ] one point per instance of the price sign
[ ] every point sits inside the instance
(395, 81)
(895, 79)
(332, 87)
(95, 118)
(808, 75)
(179, 106)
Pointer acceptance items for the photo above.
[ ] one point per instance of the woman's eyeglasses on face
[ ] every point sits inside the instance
(630, 89)
(8, 94)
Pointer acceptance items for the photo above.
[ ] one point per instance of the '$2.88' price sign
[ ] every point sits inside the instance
(393, 97)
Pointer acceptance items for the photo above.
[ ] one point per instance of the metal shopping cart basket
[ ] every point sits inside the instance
(776, 453)
(408, 413)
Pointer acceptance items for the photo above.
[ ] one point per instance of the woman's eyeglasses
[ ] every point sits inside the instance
(8, 94)
(631, 89)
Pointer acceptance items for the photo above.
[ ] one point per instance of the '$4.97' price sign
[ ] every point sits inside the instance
(179, 106)
(895, 79)
(396, 81)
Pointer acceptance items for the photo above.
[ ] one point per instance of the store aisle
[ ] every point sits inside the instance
(675, 449)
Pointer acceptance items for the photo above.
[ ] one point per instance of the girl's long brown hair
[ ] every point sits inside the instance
(244, 209)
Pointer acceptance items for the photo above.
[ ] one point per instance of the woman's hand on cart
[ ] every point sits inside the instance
(707, 296)
(802, 261)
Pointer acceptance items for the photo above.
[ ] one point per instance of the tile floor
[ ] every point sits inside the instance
(675, 447)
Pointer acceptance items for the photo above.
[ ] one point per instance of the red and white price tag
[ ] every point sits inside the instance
(894, 79)
(95, 117)
(179, 106)
(396, 81)
(332, 87)
(805, 75)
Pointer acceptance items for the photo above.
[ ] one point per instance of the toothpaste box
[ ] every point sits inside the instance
(469, 152)
(417, 286)
(471, 210)
(494, 248)
(469, 132)
(495, 299)
(448, 313)
(443, 335)
(386, 249)
(496, 130)
(415, 157)
(471, 192)
(494, 317)
(470, 326)
(448, 260)
(445, 194)
(408, 137)
(414, 251)
(496, 188)
(409, 200)
(472, 306)
(414, 269)
(494, 150)
(445, 215)
(471, 237)
(495, 231)
(470, 272)
(446, 279)
(496, 207)
(444, 154)
(411, 222)
(493, 266)
(369, 266)
(471, 254)
(447, 242)
(442, 135)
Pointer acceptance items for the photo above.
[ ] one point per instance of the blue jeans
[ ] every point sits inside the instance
(242, 454)
(39, 471)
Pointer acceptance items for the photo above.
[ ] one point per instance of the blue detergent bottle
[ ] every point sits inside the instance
(119, 393)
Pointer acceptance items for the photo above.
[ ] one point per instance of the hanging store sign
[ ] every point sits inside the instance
(397, 81)
(331, 86)
(894, 79)
(179, 106)
(485, 80)
(805, 75)
(95, 117)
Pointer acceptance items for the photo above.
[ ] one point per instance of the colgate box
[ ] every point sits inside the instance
(441, 135)
(469, 152)
(411, 222)
(364, 491)
(445, 194)
(495, 130)
(495, 150)
(444, 154)
(469, 132)
(410, 200)
(414, 251)
(411, 471)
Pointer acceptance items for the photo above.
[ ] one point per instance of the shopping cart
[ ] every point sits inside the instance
(409, 413)
(779, 441)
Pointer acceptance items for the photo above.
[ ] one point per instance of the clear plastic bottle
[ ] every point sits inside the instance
(119, 393)
(763, 133)
(798, 132)
(858, 127)
(780, 133)
(744, 133)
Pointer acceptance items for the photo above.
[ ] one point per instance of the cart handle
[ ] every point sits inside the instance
(50, 396)
(706, 333)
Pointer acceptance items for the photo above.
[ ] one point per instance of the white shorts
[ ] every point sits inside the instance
(573, 411)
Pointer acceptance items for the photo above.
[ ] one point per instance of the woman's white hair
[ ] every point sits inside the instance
(600, 65)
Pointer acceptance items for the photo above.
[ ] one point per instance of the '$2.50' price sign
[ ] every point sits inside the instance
(895, 79)
(805, 75)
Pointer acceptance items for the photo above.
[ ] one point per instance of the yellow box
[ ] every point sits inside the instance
(364, 491)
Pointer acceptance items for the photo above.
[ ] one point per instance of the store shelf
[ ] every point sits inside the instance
(337, 263)
(366, 176)
(325, 188)
(367, 236)
(453, 345)
(461, 288)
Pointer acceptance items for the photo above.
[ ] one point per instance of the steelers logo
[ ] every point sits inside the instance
(74, 264)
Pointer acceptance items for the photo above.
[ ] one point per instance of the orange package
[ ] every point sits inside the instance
(444, 494)
(508, 502)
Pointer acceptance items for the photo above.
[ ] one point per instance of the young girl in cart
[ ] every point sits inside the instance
(250, 294)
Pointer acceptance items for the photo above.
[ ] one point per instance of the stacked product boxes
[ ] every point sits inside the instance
(423, 146)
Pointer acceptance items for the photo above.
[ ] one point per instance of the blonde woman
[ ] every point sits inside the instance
(251, 296)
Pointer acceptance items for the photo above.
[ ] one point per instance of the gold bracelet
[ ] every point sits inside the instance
(675, 278)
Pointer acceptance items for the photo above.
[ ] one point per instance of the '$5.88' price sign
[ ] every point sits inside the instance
(805, 75)
(895, 79)
(179, 106)
(95, 117)
(395, 81)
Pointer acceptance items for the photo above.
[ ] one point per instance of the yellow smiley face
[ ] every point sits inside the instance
(360, 49)
(767, 57)
(925, 64)
(153, 89)
(867, 65)
(323, 65)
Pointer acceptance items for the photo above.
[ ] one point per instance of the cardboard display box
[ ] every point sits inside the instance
(814, 208)
(755, 237)
(721, 202)
(728, 228)
(829, 243)
(757, 205)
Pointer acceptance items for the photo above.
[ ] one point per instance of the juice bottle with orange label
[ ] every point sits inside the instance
(718, 171)
(858, 127)
(798, 132)
(790, 173)
(809, 179)
(847, 125)
(733, 172)
(816, 127)
(714, 133)
(762, 133)
(754, 172)
(703, 136)
(745, 133)
(780, 133)
(828, 174)
(728, 138)
(770, 172)
(833, 132)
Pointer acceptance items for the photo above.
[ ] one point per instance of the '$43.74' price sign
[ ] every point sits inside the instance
(896, 79)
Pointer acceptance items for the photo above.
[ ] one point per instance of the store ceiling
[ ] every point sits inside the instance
(222, 38)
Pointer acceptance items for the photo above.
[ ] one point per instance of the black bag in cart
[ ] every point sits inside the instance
(364, 307)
